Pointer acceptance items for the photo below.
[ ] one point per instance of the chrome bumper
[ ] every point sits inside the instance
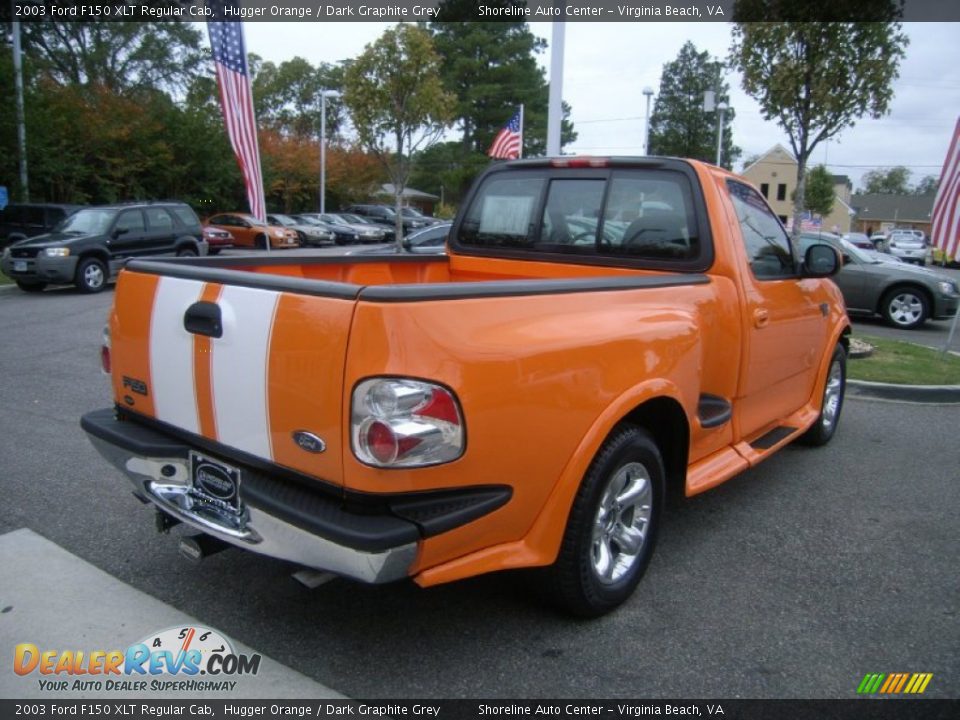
(165, 482)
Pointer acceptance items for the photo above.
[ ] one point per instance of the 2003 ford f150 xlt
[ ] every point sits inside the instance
(603, 332)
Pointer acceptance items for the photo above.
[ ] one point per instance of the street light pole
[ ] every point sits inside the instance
(21, 126)
(324, 94)
(648, 93)
(720, 109)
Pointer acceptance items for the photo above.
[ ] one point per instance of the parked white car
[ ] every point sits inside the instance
(908, 245)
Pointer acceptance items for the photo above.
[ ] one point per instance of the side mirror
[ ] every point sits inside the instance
(821, 260)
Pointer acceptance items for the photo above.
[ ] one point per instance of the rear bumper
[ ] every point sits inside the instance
(372, 549)
(367, 537)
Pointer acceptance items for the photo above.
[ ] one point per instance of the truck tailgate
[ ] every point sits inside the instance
(258, 371)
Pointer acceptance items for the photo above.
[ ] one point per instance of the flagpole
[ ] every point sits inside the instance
(520, 153)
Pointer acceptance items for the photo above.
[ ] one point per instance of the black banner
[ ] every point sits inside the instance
(862, 709)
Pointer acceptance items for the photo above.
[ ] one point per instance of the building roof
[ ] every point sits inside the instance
(407, 194)
(768, 153)
(899, 208)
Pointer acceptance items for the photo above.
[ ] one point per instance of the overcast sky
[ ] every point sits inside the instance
(607, 65)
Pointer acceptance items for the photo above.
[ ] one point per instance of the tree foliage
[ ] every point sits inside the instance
(816, 78)
(678, 125)
(287, 97)
(928, 185)
(397, 102)
(887, 181)
(820, 194)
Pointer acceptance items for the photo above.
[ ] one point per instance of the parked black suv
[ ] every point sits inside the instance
(386, 215)
(19, 221)
(91, 245)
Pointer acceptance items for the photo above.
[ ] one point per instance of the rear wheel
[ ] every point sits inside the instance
(186, 252)
(832, 402)
(260, 242)
(30, 286)
(91, 275)
(612, 528)
(905, 308)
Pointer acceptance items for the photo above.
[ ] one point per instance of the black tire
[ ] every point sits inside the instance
(595, 529)
(186, 252)
(31, 286)
(260, 242)
(905, 307)
(831, 403)
(91, 276)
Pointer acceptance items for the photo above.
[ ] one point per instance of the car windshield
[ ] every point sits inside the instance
(334, 219)
(88, 222)
(412, 212)
(356, 219)
(283, 220)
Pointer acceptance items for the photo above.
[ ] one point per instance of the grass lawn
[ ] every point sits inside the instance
(4, 280)
(904, 363)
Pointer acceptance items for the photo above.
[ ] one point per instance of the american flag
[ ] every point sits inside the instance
(506, 145)
(236, 100)
(945, 228)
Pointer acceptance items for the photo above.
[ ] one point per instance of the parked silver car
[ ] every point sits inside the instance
(308, 234)
(908, 245)
(905, 296)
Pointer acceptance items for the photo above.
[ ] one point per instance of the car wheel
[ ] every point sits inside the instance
(832, 402)
(28, 286)
(905, 308)
(91, 275)
(213, 251)
(260, 242)
(186, 252)
(612, 528)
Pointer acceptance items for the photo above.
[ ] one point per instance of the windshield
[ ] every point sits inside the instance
(88, 222)
(334, 219)
(283, 220)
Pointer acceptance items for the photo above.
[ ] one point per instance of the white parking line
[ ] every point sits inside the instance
(55, 601)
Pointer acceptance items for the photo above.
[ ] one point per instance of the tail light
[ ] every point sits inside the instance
(105, 350)
(398, 422)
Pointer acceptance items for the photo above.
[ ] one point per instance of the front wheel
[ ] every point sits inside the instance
(91, 275)
(612, 528)
(832, 402)
(905, 308)
(260, 242)
(187, 252)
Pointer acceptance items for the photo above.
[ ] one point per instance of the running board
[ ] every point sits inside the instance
(769, 439)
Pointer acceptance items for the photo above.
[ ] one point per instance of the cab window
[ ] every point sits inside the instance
(766, 242)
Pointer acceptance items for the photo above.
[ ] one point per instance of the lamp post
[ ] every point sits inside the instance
(720, 109)
(324, 94)
(648, 93)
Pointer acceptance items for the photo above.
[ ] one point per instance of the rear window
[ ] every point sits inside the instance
(642, 215)
(185, 215)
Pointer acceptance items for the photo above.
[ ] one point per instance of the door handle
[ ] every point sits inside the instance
(761, 318)
(203, 318)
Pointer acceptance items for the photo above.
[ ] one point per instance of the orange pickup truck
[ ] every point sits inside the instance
(603, 333)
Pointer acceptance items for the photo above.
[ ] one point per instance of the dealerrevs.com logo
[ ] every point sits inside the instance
(185, 659)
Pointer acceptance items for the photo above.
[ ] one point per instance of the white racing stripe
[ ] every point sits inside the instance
(240, 369)
(171, 354)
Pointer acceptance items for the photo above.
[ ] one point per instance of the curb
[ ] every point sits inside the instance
(934, 394)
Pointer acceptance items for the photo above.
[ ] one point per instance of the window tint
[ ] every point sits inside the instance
(767, 244)
(186, 215)
(503, 213)
(571, 216)
(159, 220)
(650, 216)
(55, 215)
(131, 221)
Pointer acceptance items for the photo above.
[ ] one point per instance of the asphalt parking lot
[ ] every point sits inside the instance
(793, 580)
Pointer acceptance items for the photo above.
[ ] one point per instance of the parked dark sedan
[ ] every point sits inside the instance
(904, 295)
(428, 241)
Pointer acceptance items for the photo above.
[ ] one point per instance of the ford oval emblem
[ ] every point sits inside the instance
(216, 482)
(309, 442)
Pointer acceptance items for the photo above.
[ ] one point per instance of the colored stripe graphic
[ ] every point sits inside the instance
(894, 683)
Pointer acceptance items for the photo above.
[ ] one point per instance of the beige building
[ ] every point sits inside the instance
(775, 174)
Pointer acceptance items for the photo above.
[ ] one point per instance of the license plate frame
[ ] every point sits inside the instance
(215, 482)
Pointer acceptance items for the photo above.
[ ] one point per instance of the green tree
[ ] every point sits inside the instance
(447, 170)
(928, 185)
(678, 124)
(820, 193)
(287, 97)
(816, 78)
(116, 55)
(397, 102)
(887, 181)
(491, 68)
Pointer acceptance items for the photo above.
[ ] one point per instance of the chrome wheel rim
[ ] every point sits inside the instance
(906, 309)
(832, 395)
(622, 522)
(93, 275)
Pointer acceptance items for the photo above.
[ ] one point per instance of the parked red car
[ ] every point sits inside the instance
(217, 239)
